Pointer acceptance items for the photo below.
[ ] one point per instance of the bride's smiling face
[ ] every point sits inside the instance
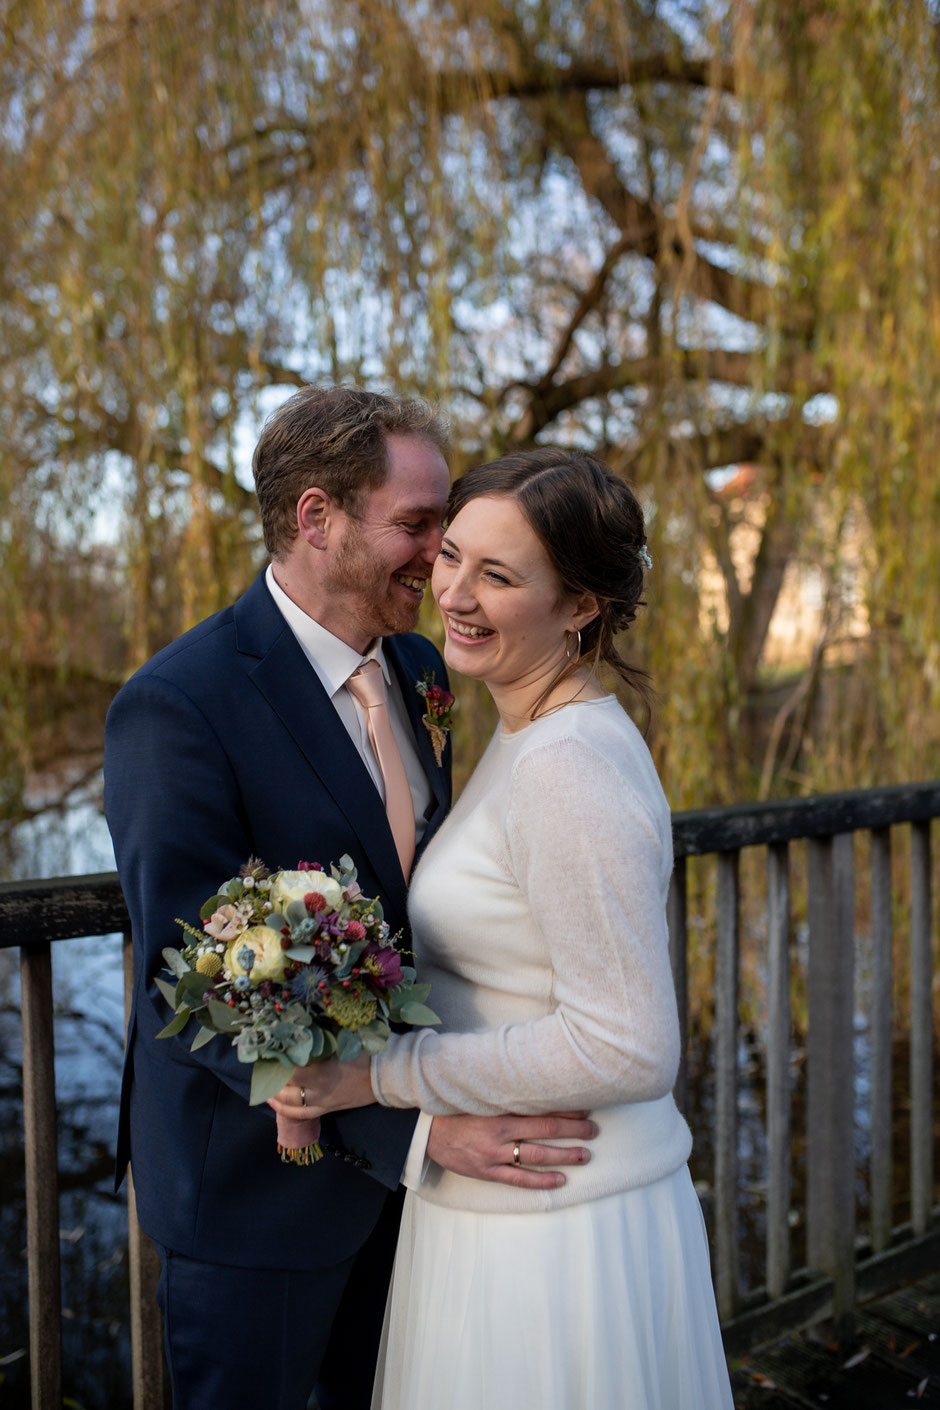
(505, 611)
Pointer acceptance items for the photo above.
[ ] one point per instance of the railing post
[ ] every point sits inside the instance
(677, 917)
(830, 1115)
(880, 1035)
(726, 1084)
(144, 1268)
(42, 1185)
(778, 1069)
(921, 1031)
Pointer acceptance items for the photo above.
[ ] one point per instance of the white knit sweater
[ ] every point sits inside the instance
(538, 915)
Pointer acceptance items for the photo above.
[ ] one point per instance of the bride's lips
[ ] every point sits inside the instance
(412, 583)
(468, 633)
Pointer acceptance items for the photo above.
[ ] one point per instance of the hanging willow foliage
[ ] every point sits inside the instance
(690, 237)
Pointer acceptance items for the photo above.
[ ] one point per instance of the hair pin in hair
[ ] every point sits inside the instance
(643, 554)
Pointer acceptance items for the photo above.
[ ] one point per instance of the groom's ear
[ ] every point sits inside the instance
(316, 517)
(585, 610)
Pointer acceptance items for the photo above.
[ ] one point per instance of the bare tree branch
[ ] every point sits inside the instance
(567, 124)
(585, 77)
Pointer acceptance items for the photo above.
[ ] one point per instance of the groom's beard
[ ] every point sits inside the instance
(374, 601)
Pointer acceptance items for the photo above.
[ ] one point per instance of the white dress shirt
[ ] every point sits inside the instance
(334, 661)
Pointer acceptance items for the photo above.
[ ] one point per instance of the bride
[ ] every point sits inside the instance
(538, 916)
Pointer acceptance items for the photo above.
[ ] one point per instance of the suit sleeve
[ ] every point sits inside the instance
(176, 818)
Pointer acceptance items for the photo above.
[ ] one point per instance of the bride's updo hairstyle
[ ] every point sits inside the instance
(591, 526)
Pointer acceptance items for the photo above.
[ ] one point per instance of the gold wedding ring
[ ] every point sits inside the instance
(303, 1096)
(516, 1154)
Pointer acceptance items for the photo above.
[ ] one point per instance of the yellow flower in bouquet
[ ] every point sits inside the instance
(257, 952)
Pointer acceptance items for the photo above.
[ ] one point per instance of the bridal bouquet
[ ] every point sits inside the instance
(294, 966)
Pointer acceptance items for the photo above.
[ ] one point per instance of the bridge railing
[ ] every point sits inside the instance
(839, 1267)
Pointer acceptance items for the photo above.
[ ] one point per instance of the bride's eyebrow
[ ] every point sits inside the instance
(490, 562)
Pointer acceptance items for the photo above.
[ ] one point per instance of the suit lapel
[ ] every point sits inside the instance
(293, 690)
(408, 673)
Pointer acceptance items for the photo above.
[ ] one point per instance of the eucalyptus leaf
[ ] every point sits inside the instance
(296, 1013)
(296, 912)
(276, 921)
(224, 1018)
(300, 954)
(348, 1045)
(419, 1015)
(374, 1036)
(317, 1043)
(211, 906)
(415, 993)
(177, 1024)
(299, 1050)
(204, 1036)
(175, 961)
(248, 1046)
(168, 991)
(190, 990)
(268, 1076)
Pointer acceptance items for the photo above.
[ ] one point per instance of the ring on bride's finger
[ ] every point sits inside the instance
(303, 1096)
(516, 1154)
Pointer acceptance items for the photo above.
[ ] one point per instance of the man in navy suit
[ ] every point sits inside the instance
(241, 739)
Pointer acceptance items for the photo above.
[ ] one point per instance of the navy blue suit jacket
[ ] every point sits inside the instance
(224, 746)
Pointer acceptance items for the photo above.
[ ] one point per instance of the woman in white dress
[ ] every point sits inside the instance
(538, 916)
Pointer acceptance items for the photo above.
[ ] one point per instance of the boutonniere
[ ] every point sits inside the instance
(438, 704)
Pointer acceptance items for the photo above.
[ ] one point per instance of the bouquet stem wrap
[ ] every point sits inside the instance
(298, 1139)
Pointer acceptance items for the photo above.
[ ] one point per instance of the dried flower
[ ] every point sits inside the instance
(208, 964)
(438, 704)
(352, 1009)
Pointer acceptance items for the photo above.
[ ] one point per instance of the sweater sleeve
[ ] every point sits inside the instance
(589, 856)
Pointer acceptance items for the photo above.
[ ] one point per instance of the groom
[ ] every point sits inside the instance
(242, 738)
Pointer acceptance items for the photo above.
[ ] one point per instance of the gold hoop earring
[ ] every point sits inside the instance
(577, 653)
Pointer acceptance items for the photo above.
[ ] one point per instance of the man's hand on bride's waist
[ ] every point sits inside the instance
(511, 1150)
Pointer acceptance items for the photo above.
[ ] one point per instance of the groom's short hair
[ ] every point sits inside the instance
(333, 438)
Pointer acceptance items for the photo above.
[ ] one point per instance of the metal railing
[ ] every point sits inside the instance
(839, 1269)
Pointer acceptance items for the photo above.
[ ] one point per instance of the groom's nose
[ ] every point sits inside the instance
(431, 544)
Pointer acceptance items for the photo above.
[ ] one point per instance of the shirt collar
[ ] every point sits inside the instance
(333, 660)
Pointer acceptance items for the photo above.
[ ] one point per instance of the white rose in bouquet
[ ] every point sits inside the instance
(287, 886)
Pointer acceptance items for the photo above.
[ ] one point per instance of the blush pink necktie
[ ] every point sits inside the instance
(367, 685)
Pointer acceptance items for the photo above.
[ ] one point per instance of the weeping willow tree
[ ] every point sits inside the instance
(691, 237)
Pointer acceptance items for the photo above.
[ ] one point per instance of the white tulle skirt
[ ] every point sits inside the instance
(602, 1306)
